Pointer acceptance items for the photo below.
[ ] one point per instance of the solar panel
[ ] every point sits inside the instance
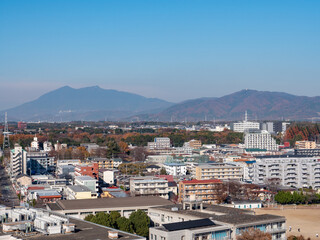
(188, 224)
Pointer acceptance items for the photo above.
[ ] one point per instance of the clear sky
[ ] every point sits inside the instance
(170, 49)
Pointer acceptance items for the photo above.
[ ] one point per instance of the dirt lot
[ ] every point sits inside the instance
(306, 218)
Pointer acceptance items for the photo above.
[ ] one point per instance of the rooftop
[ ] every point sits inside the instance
(189, 224)
(85, 178)
(108, 203)
(223, 214)
(79, 188)
(195, 181)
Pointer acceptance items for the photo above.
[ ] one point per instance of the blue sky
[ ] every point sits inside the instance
(170, 49)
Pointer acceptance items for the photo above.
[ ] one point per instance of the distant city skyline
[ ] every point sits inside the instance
(173, 50)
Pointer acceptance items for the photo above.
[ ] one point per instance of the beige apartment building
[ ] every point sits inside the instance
(204, 190)
(305, 145)
(221, 171)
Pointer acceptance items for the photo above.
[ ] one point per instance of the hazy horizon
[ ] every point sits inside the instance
(172, 50)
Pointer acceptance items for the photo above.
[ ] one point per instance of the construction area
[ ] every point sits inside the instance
(303, 218)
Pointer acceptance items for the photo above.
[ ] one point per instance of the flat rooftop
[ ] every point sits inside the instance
(108, 203)
(222, 214)
(84, 231)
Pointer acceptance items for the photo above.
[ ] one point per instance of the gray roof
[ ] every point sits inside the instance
(79, 188)
(109, 203)
(224, 214)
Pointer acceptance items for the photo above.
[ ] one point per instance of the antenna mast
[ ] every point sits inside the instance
(6, 139)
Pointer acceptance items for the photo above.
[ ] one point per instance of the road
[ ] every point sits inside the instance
(8, 195)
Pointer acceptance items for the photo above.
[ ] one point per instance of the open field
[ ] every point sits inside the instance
(307, 218)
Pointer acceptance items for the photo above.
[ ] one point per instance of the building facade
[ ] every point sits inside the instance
(256, 139)
(290, 170)
(149, 186)
(18, 161)
(222, 171)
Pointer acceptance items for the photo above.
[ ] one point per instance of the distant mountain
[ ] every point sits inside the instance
(259, 104)
(90, 103)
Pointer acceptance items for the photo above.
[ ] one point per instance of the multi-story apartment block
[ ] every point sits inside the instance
(40, 162)
(260, 139)
(104, 162)
(91, 170)
(159, 143)
(175, 169)
(193, 144)
(222, 171)
(288, 170)
(245, 125)
(153, 186)
(305, 145)
(18, 161)
(205, 190)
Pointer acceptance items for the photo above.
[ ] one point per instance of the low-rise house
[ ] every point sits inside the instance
(79, 192)
(113, 192)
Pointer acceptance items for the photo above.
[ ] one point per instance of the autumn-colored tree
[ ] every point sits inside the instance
(254, 234)
(298, 238)
(123, 146)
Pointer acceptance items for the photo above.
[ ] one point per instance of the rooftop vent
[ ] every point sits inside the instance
(112, 234)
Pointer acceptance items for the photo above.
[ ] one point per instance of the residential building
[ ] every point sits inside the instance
(108, 176)
(222, 171)
(35, 144)
(305, 145)
(91, 170)
(22, 125)
(87, 181)
(40, 163)
(307, 152)
(104, 162)
(47, 146)
(149, 186)
(79, 192)
(125, 206)
(175, 169)
(289, 170)
(193, 144)
(244, 125)
(159, 143)
(113, 192)
(18, 161)
(205, 190)
(260, 139)
(153, 168)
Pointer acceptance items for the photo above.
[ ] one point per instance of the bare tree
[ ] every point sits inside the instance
(254, 234)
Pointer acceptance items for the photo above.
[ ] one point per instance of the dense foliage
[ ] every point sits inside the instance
(296, 198)
(254, 234)
(138, 221)
(302, 131)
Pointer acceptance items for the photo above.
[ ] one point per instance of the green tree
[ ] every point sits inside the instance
(102, 219)
(163, 171)
(89, 217)
(113, 148)
(114, 217)
(141, 223)
(124, 224)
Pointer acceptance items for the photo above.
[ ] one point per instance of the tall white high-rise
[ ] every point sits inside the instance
(18, 161)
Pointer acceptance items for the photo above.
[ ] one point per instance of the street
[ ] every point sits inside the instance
(8, 196)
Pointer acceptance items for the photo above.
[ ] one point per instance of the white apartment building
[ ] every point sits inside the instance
(245, 125)
(175, 169)
(47, 146)
(289, 170)
(159, 143)
(144, 186)
(260, 139)
(18, 161)
(35, 144)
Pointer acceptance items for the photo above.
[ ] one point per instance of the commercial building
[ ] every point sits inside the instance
(289, 170)
(18, 161)
(205, 190)
(149, 186)
(159, 143)
(175, 169)
(260, 139)
(222, 171)
(234, 220)
(125, 206)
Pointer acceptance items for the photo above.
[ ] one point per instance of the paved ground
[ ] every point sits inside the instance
(306, 218)
(8, 196)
